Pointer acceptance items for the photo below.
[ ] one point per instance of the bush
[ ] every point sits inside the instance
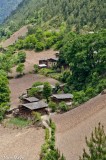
(63, 107)
(79, 97)
(36, 68)
(20, 68)
(53, 106)
(46, 71)
(37, 84)
(36, 117)
(33, 92)
(39, 46)
(21, 57)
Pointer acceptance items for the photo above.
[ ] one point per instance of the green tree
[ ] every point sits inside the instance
(36, 68)
(47, 90)
(53, 106)
(21, 57)
(96, 145)
(20, 69)
(4, 94)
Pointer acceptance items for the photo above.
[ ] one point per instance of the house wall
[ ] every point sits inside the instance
(27, 113)
(61, 100)
(52, 63)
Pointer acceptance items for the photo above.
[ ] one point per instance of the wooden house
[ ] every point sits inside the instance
(49, 63)
(57, 98)
(52, 62)
(27, 109)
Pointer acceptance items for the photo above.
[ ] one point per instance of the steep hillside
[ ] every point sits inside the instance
(6, 7)
(77, 14)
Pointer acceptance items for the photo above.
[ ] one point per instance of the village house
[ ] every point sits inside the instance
(27, 109)
(57, 98)
(48, 63)
(52, 62)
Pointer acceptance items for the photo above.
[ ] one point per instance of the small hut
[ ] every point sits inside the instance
(27, 109)
(62, 97)
(52, 62)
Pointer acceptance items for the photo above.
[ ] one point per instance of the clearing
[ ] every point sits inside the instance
(19, 86)
(32, 58)
(13, 38)
(73, 126)
(24, 144)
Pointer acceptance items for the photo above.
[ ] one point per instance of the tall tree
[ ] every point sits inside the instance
(96, 145)
(47, 90)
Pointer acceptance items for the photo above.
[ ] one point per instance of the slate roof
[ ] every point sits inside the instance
(35, 105)
(62, 96)
(31, 99)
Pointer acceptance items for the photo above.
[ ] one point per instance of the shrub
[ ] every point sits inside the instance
(33, 91)
(53, 106)
(39, 46)
(37, 84)
(63, 107)
(79, 97)
(21, 57)
(36, 117)
(36, 68)
(20, 68)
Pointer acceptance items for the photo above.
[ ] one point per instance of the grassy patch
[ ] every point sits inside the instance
(19, 122)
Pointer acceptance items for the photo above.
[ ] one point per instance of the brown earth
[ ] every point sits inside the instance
(24, 144)
(14, 37)
(73, 126)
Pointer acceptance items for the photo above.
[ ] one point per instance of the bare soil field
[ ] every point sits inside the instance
(14, 37)
(32, 58)
(24, 144)
(73, 126)
(19, 86)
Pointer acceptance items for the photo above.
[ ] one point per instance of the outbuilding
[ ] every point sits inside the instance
(27, 109)
(62, 97)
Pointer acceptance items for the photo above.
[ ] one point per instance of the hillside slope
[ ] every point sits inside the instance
(73, 126)
(6, 7)
(76, 13)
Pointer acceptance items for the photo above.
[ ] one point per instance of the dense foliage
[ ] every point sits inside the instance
(76, 14)
(4, 94)
(96, 145)
(39, 39)
(6, 7)
(86, 57)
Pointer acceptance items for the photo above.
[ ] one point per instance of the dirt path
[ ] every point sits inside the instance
(19, 86)
(24, 144)
(21, 32)
(73, 126)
